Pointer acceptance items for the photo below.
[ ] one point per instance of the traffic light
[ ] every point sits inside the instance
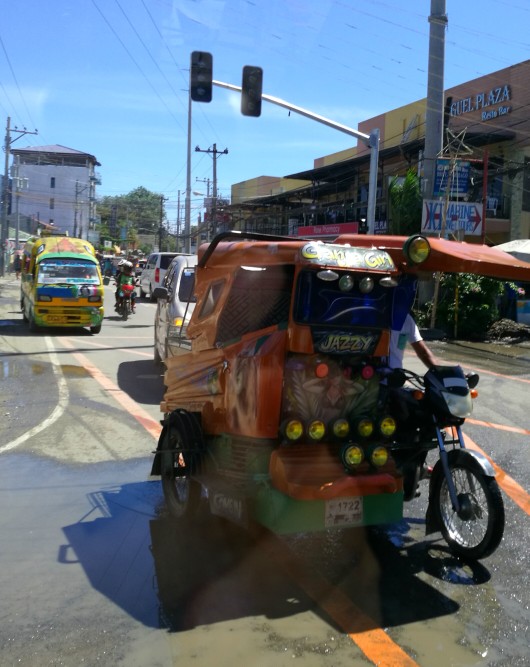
(251, 90)
(201, 74)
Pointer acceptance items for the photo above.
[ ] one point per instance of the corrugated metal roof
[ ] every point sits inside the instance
(55, 149)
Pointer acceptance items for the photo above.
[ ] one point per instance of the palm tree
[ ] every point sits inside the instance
(405, 204)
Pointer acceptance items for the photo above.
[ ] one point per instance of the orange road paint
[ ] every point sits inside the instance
(372, 640)
(512, 489)
(142, 417)
(500, 427)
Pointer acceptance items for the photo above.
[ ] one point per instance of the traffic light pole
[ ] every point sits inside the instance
(371, 140)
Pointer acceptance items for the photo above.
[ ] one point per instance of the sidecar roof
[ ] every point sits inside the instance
(448, 256)
(234, 249)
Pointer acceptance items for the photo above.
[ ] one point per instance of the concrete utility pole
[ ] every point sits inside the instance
(215, 153)
(161, 227)
(187, 199)
(5, 191)
(434, 118)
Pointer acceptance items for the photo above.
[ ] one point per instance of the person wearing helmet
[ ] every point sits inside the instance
(125, 277)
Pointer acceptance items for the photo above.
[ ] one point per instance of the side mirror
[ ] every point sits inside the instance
(160, 293)
(472, 379)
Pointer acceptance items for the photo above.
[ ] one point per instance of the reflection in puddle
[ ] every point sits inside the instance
(74, 371)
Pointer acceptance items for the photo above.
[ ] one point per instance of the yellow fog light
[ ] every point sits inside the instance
(364, 427)
(316, 430)
(417, 249)
(352, 456)
(379, 456)
(294, 430)
(387, 426)
(341, 428)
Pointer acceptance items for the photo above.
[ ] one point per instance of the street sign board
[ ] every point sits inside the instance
(461, 217)
(455, 177)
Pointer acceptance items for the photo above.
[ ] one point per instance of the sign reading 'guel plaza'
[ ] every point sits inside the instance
(485, 102)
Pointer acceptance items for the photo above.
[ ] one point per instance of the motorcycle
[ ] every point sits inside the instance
(465, 502)
(124, 307)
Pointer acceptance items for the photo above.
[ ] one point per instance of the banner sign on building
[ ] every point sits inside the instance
(461, 217)
(455, 177)
(328, 231)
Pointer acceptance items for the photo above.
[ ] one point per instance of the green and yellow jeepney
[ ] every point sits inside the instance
(61, 284)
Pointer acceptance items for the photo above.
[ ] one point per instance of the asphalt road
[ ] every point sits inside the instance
(92, 572)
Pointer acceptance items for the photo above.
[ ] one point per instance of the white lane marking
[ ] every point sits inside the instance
(59, 408)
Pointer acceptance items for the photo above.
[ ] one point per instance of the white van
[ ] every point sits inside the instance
(154, 271)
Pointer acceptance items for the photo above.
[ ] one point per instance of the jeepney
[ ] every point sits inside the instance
(61, 284)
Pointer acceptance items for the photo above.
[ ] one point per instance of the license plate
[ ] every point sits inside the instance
(344, 512)
(59, 319)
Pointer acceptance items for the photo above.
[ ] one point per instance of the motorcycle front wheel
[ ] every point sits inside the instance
(477, 529)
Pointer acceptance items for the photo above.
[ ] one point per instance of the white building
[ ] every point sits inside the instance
(59, 188)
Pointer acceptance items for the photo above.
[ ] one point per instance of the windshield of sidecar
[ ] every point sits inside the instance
(342, 298)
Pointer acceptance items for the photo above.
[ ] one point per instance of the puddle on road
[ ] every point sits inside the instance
(11, 368)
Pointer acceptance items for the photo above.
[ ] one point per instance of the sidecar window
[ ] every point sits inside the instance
(260, 297)
(319, 302)
(212, 297)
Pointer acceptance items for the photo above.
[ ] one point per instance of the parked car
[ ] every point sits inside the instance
(154, 271)
(175, 304)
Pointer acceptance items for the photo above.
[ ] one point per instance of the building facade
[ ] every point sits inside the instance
(486, 143)
(59, 188)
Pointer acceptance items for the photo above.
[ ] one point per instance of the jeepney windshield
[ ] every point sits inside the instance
(70, 271)
(351, 299)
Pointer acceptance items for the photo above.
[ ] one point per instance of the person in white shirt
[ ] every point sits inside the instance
(409, 333)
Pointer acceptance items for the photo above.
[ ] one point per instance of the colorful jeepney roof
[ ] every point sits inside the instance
(55, 246)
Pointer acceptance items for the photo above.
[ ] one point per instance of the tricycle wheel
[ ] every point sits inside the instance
(182, 493)
(477, 529)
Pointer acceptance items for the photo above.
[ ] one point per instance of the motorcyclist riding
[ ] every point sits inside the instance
(125, 277)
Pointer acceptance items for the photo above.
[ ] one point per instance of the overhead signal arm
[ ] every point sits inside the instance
(371, 140)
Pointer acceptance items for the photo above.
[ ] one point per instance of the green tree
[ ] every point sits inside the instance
(405, 204)
(468, 305)
(138, 212)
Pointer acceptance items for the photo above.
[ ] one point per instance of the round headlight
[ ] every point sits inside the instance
(417, 249)
(294, 430)
(364, 427)
(340, 428)
(352, 456)
(316, 430)
(346, 283)
(366, 285)
(387, 426)
(379, 456)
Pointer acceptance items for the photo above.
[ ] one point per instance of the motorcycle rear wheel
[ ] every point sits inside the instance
(476, 531)
(181, 493)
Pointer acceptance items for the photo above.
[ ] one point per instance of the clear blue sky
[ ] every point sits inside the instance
(110, 77)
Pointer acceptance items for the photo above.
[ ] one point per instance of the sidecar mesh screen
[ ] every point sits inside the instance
(257, 300)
